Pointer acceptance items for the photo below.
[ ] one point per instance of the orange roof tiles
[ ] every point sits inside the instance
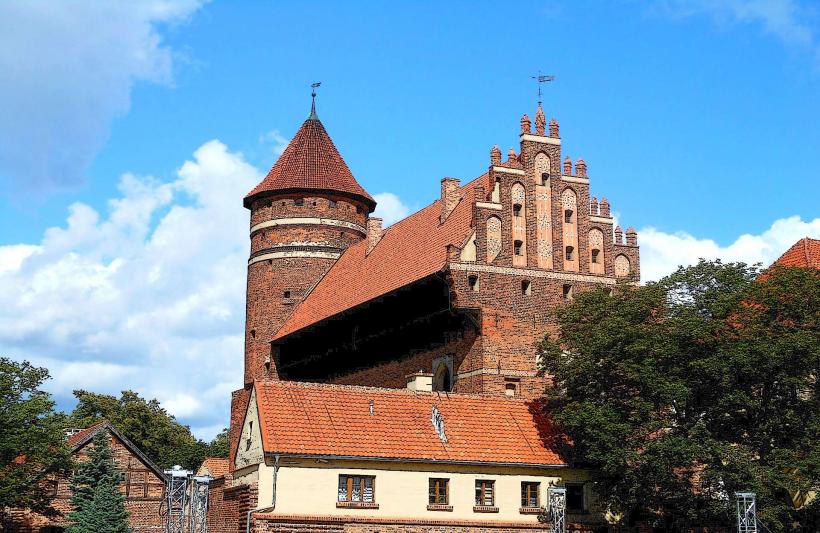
(80, 436)
(334, 420)
(216, 466)
(311, 161)
(805, 253)
(408, 251)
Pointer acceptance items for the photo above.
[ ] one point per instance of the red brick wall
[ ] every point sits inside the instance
(228, 506)
(144, 512)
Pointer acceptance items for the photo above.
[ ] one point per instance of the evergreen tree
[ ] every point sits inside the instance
(99, 506)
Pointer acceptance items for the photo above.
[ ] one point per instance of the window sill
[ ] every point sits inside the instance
(357, 505)
(439, 507)
(530, 510)
(484, 509)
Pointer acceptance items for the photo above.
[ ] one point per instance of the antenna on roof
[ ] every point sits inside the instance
(313, 115)
(542, 78)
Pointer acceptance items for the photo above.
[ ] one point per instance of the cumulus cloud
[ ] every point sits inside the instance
(66, 71)
(786, 20)
(148, 295)
(662, 253)
(390, 207)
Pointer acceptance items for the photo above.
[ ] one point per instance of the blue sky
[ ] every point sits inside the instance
(130, 132)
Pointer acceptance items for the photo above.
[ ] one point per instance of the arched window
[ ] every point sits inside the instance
(441, 379)
(595, 240)
(622, 266)
(493, 238)
(519, 224)
(569, 203)
(543, 210)
(542, 168)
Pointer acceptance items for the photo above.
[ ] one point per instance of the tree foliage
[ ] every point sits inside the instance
(681, 392)
(99, 506)
(150, 427)
(32, 447)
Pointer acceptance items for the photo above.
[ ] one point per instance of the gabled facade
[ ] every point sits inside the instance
(143, 486)
(450, 302)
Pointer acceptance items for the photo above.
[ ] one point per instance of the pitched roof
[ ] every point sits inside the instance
(83, 437)
(334, 420)
(805, 253)
(311, 161)
(408, 251)
(215, 466)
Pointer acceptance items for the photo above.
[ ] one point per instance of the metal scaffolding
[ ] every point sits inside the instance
(199, 504)
(558, 509)
(176, 499)
(746, 512)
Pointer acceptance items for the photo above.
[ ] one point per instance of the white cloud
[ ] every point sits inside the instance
(390, 207)
(275, 140)
(787, 20)
(662, 253)
(66, 71)
(148, 295)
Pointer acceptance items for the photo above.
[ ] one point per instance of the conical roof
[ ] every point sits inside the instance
(311, 162)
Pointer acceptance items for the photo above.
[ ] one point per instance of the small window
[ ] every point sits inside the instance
(570, 253)
(299, 202)
(510, 388)
(286, 294)
(517, 247)
(358, 209)
(250, 435)
(596, 254)
(472, 280)
(568, 292)
(332, 204)
(576, 502)
(568, 216)
(526, 287)
(439, 491)
(545, 176)
(517, 210)
(530, 494)
(485, 492)
(314, 203)
(356, 488)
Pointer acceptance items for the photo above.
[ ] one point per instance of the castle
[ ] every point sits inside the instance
(391, 375)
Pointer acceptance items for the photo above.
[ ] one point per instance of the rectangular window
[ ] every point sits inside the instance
(526, 287)
(356, 488)
(568, 216)
(576, 502)
(299, 201)
(332, 203)
(472, 280)
(529, 494)
(517, 210)
(570, 253)
(568, 292)
(484, 492)
(439, 491)
(517, 245)
(595, 254)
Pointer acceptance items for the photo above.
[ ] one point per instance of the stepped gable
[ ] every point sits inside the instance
(805, 253)
(318, 419)
(408, 251)
(310, 162)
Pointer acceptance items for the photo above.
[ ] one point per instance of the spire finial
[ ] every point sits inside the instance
(541, 78)
(313, 115)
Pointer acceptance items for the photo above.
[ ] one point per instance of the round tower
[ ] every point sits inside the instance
(304, 215)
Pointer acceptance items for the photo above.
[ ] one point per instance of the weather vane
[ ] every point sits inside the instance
(313, 98)
(541, 78)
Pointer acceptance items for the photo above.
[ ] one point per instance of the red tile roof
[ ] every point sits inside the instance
(335, 420)
(311, 161)
(408, 251)
(81, 435)
(805, 253)
(216, 466)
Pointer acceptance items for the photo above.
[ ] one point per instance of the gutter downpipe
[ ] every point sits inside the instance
(273, 498)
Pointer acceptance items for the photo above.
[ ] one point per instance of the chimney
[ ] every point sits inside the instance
(495, 155)
(450, 196)
(554, 129)
(420, 381)
(631, 237)
(581, 168)
(374, 232)
(567, 166)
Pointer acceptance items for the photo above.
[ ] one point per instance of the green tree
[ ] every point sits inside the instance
(220, 446)
(99, 506)
(32, 444)
(150, 427)
(679, 393)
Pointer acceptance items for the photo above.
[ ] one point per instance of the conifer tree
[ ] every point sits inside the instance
(99, 506)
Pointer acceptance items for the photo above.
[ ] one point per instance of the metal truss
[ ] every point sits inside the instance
(558, 509)
(199, 504)
(746, 512)
(177, 499)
